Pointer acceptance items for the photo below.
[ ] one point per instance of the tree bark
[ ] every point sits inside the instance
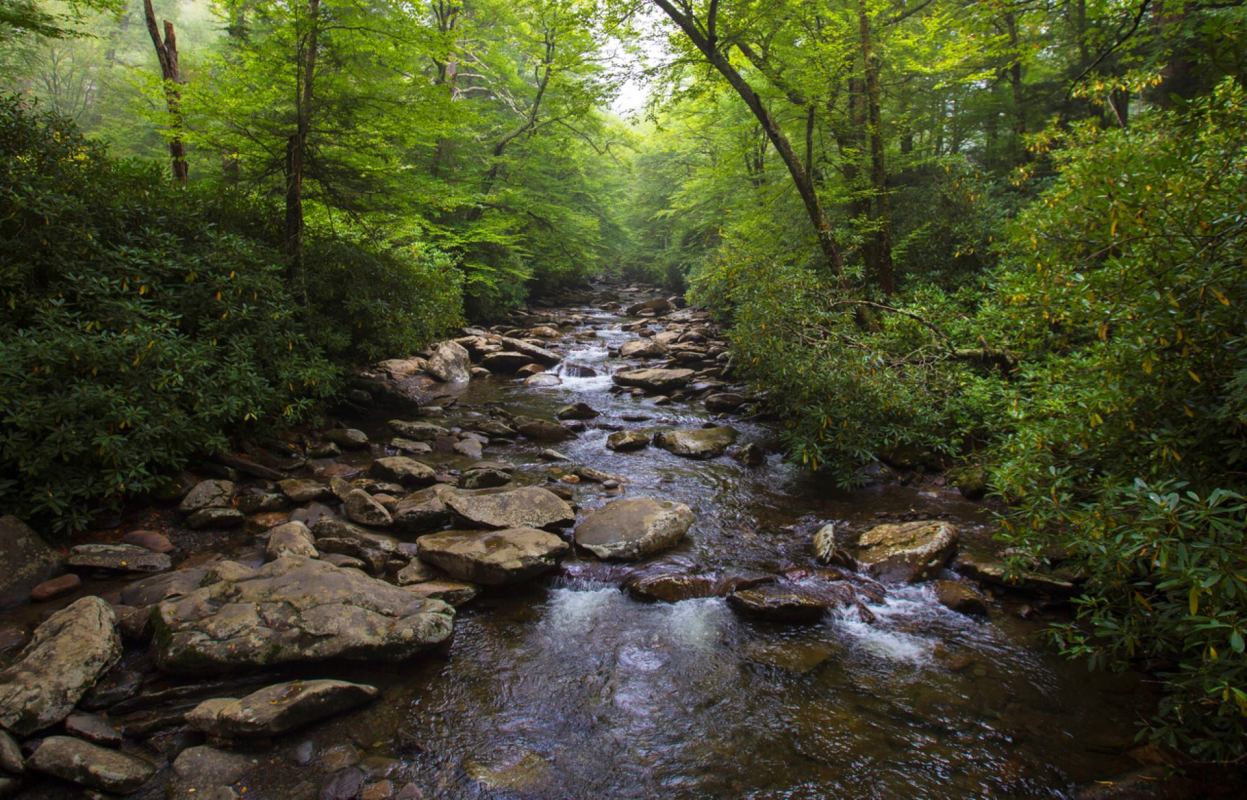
(296, 147)
(879, 248)
(706, 41)
(171, 72)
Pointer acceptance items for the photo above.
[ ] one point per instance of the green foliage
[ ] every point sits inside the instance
(1125, 298)
(850, 394)
(134, 334)
(144, 324)
(1167, 580)
(372, 302)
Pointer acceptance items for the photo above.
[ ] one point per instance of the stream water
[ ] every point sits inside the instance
(571, 689)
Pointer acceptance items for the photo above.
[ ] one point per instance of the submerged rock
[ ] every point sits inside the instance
(90, 765)
(278, 708)
(293, 610)
(634, 528)
(493, 557)
(696, 442)
(907, 552)
(527, 507)
(64, 659)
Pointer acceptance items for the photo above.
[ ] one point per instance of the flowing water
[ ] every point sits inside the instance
(571, 689)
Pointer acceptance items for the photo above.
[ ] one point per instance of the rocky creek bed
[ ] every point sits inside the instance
(559, 558)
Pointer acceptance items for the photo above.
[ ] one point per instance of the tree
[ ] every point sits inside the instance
(171, 73)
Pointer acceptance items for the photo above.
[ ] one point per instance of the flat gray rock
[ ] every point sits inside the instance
(654, 380)
(527, 507)
(493, 557)
(118, 558)
(633, 528)
(278, 708)
(90, 765)
(66, 656)
(908, 552)
(699, 443)
(292, 610)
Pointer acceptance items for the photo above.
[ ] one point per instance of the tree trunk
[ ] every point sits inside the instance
(296, 149)
(707, 43)
(171, 72)
(879, 249)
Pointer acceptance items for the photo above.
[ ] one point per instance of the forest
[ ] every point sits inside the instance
(999, 241)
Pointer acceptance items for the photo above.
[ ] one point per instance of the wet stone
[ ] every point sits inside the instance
(215, 518)
(634, 528)
(155, 541)
(627, 441)
(120, 557)
(55, 587)
(90, 765)
(347, 438)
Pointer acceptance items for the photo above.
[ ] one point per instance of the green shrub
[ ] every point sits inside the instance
(135, 335)
(1124, 295)
(371, 303)
(850, 394)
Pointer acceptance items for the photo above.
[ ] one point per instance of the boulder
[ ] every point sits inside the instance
(995, 573)
(577, 411)
(700, 443)
(421, 511)
(90, 765)
(493, 558)
(633, 528)
(534, 352)
(418, 431)
(483, 478)
(119, 557)
(55, 587)
(454, 592)
(627, 441)
(93, 728)
(215, 518)
(542, 430)
(303, 490)
(654, 380)
(207, 494)
(658, 305)
(27, 560)
(64, 659)
(278, 708)
(449, 362)
(724, 402)
(347, 438)
(527, 507)
(155, 541)
(293, 610)
(290, 539)
(642, 348)
(907, 552)
(404, 470)
(830, 547)
(779, 603)
(205, 766)
(505, 362)
(363, 508)
(961, 598)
